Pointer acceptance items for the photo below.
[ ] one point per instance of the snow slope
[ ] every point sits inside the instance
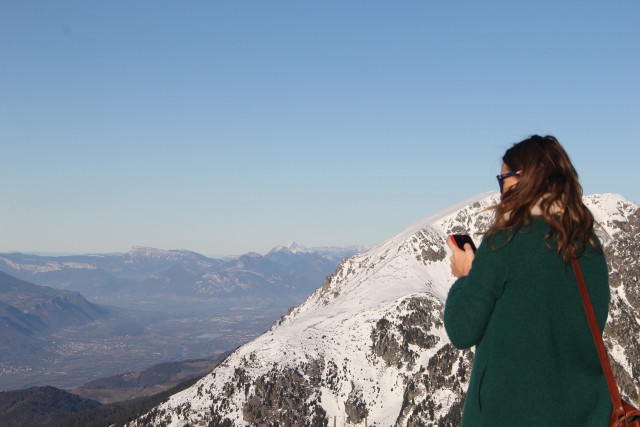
(370, 345)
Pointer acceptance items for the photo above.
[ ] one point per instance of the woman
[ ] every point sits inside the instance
(518, 301)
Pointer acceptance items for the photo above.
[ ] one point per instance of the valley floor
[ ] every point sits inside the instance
(131, 342)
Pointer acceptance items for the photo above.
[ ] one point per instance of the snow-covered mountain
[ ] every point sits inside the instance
(370, 343)
(294, 248)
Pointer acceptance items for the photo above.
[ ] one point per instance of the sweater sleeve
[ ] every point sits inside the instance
(472, 298)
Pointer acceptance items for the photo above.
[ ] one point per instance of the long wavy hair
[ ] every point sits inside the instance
(548, 183)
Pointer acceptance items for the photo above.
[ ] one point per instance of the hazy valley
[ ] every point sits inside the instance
(69, 320)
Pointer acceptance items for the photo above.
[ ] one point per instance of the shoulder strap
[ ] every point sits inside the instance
(597, 338)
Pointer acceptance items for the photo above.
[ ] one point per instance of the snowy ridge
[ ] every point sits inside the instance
(360, 281)
(154, 253)
(607, 209)
(47, 267)
(294, 248)
(370, 341)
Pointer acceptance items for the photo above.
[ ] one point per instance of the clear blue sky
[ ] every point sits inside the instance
(232, 126)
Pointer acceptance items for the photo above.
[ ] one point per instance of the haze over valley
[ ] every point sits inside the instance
(72, 319)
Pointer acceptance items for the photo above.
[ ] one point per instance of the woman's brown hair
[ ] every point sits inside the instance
(547, 181)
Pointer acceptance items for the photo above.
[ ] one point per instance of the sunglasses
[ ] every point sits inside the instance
(502, 177)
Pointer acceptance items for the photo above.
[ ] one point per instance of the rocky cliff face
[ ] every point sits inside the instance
(370, 342)
(622, 332)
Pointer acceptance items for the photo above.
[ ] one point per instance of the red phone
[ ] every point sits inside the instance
(461, 239)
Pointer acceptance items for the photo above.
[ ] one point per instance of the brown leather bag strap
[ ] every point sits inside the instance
(597, 338)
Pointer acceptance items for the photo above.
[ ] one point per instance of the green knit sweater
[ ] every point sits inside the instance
(535, 362)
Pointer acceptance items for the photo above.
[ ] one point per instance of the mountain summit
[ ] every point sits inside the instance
(292, 247)
(370, 344)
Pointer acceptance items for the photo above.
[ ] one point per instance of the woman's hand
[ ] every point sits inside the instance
(461, 259)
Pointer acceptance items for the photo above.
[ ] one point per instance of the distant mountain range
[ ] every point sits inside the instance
(287, 274)
(149, 299)
(369, 345)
